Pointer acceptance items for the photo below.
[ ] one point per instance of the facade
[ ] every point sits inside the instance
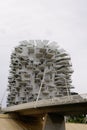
(38, 70)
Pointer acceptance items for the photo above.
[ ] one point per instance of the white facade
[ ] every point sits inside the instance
(39, 70)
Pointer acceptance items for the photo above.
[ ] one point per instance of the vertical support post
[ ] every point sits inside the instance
(54, 122)
(47, 122)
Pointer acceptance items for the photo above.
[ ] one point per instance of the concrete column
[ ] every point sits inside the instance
(54, 122)
(47, 122)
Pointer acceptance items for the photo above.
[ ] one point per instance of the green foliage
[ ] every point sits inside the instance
(77, 119)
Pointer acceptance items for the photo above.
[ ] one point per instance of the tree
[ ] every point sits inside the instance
(78, 119)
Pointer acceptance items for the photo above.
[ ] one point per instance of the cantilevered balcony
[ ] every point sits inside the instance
(49, 55)
(46, 92)
(19, 49)
(42, 50)
(39, 54)
(30, 49)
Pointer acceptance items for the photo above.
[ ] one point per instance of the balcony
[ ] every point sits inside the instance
(30, 49)
(27, 75)
(62, 58)
(46, 92)
(47, 79)
(51, 85)
(42, 66)
(49, 55)
(19, 49)
(43, 50)
(29, 66)
(36, 70)
(39, 54)
(29, 87)
(37, 79)
(59, 82)
(40, 74)
(62, 54)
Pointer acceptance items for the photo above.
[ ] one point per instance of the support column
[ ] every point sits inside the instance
(46, 122)
(54, 122)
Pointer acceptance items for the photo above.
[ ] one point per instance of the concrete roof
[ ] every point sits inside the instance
(49, 106)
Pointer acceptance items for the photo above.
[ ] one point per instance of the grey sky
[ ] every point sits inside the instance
(64, 21)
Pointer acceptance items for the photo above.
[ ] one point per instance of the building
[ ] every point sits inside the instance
(38, 70)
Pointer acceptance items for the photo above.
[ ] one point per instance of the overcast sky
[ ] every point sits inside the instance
(64, 21)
